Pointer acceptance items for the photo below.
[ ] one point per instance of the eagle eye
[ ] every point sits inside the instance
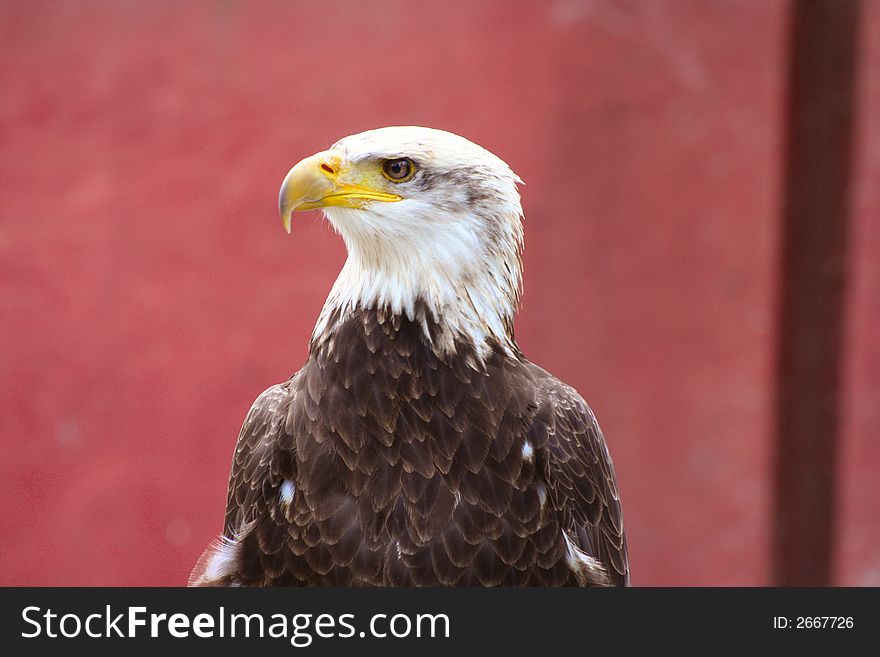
(398, 170)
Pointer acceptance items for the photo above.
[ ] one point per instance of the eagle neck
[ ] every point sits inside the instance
(456, 300)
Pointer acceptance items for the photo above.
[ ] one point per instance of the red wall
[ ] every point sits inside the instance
(148, 292)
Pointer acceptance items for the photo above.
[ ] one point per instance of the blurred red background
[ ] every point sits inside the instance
(149, 294)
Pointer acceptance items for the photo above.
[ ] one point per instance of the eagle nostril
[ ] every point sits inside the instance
(327, 167)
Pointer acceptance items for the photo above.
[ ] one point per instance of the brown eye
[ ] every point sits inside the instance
(399, 169)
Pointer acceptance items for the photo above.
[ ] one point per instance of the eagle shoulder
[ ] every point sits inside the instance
(580, 475)
(261, 484)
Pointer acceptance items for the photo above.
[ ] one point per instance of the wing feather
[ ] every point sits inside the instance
(580, 475)
(257, 468)
(254, 530)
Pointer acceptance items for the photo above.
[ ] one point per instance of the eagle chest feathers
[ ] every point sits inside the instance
(413, 470)
(417, 446)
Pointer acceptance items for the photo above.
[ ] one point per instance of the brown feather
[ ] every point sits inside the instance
(412, 469)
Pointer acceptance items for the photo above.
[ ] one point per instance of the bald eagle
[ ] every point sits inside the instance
(417, 446)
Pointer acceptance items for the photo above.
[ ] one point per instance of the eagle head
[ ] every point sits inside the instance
(433, 227)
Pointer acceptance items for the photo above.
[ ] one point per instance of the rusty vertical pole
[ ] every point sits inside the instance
(821, 99)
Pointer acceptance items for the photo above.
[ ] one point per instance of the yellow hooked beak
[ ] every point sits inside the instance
(316, 182)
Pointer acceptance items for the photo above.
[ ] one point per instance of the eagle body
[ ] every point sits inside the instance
(417, 447)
